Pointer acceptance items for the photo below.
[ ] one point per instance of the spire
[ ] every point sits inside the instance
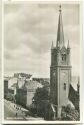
(78, 81)
(52, 45)
(60, 33)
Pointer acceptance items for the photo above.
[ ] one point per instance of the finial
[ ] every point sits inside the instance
(78, 80)
(58, 45)
(60, 8)
(68, 45)
(52, 45)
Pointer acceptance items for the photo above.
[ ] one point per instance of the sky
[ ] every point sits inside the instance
(29, 30)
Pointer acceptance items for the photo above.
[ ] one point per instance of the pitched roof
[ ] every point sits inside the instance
(32, 85)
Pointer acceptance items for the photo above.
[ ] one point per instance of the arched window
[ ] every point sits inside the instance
(64, 56)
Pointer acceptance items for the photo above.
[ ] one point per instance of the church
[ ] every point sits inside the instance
(60, 70)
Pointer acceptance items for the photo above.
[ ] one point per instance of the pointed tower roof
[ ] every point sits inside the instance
(78, 81)
(60, 33)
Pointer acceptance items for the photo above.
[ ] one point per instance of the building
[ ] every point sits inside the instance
(74, 95)
(12, 80)
(10, 86)
(60, 70)
(26, 93)
(12, 89)
(22, 75)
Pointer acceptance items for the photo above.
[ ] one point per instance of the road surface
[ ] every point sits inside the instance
(10, 110)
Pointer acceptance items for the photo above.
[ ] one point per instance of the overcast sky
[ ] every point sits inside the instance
(29, 31)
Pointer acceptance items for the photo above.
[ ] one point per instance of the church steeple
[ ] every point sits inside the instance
(60, 68)
(60, 33)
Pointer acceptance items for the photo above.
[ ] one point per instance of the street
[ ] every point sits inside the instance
(11, 111)
(14, 112)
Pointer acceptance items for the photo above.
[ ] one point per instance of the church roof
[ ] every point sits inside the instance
(73, 96)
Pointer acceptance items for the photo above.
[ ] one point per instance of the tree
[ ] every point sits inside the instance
(40, 100)
(41, 94)
(69, 113)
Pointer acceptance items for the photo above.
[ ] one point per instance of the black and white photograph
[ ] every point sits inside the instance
(42, 61)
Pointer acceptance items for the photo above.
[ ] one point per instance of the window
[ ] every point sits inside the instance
(63, 57)
(64, 86)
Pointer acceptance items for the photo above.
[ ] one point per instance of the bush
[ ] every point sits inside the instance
(68, 113)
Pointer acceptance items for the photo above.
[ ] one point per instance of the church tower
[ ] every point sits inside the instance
(60, 70)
